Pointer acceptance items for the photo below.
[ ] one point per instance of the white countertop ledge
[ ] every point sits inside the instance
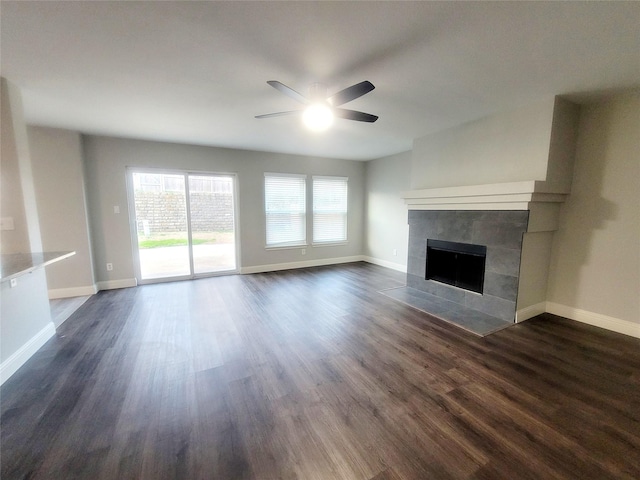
(13, 265)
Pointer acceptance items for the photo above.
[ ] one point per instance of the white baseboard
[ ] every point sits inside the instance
(384, 263)
(304, 264)
(72, 292)
(113, 284)
(24, 353)
(530, 312)
(596, 319)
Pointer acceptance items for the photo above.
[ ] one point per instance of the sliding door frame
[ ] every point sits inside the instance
(133, 227)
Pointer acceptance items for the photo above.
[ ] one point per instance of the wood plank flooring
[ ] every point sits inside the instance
(63, 308)
(313, 374)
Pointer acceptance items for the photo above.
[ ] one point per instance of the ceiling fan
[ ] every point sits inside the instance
(320, 109)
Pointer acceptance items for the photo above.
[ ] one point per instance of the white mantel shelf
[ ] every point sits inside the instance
(496, 196)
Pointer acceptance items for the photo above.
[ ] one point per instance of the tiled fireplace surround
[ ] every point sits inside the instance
(500, 231)
(515, 221)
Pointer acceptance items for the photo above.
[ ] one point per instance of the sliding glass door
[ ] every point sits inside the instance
(184, 224)
(213, 241)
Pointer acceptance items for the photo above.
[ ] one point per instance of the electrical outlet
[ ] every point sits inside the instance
(395, 252)
(303, 251)
(14, 282)
(109, 267)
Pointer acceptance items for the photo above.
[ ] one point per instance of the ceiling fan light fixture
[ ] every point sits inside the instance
(318, 117)
(320, 111)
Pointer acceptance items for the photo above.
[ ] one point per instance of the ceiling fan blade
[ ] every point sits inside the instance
(288, 91)
(350, 93)
(355, 115)
(278, 114)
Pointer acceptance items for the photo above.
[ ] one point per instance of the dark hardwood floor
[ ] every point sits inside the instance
(313, 374)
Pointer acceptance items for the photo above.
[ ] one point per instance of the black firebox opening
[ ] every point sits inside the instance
(457, 264)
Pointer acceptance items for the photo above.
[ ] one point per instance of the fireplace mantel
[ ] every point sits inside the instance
(496, 196)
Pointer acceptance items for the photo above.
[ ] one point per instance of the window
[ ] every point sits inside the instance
(285, 209)
(329, 209)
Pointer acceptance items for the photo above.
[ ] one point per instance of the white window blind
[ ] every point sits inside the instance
(285, 209)
(329, 209)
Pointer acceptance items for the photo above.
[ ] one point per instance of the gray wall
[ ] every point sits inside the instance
(58, 176)
(595, 263)
(505, 147)
(106, 160)
(18, 195)
(387, 228)
(534, 142)
(25, 318)
(562, 146)
(24, 310)
(12, 204)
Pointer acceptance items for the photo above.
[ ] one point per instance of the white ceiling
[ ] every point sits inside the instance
(196, 72)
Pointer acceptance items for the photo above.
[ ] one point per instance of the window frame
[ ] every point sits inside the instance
(344, 213)
(296, 243)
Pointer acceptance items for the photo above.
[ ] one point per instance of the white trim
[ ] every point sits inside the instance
(490, 199)
(113, 284)
(330, 244)
(497, 196)
(531, 311)
(307, 263)
(507, 188)
(295, 175)
(596, 319)
(384, 263)
(236, 223)
(469, 206)
(72, 292)
(286, 247)
(329, 177)
(25, 352)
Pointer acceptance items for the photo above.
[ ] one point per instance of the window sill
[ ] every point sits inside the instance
(329, 244)
(286, 247)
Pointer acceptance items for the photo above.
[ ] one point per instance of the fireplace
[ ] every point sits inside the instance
(500, 182)
(458, 264)
(470, 258)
